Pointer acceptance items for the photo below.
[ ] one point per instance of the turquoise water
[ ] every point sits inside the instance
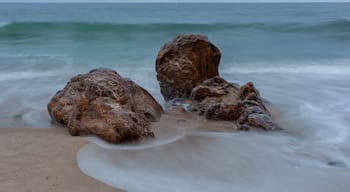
(298, 56)
(43, 45)
(244, 32)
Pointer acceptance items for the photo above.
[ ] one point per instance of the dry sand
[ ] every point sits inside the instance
(35, 160)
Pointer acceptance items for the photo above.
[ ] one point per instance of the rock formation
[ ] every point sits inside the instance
(184, 62)
(187, 68)
(116, 109)
(219, 100)
(105, 104)
(216, 99)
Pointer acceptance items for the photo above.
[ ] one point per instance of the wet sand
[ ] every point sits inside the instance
(43, 160)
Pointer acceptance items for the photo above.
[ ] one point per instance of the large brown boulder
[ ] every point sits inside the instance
(187, 68)
(185, 61)
(219, 100)
(105, 104)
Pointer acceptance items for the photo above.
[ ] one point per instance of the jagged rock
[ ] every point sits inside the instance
(184, 62)
(252, 110)
(105, 104)
(219, 100)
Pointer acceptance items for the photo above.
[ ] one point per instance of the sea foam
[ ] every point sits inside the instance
(321, 67)
(2, 23)
(215, 162)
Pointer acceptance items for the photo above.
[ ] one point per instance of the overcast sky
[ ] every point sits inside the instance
(131, 1)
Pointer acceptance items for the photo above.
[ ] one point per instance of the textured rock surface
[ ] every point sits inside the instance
(219, 100)
(105, 104)
(187, 71)
(184, 62)
(253, 113)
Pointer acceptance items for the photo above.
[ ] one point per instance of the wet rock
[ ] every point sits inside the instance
(187, 71)
(252, 111)
(105, 104)
(337, 164)
(218, 99)
(184, 62)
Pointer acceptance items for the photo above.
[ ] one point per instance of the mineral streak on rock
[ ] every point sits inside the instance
(105, 104)
(184, 62)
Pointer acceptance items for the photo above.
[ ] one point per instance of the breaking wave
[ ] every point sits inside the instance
(13, 30)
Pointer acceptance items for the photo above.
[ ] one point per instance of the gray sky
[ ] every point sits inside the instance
(131, 1)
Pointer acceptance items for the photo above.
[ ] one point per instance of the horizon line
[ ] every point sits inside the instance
(162, 2)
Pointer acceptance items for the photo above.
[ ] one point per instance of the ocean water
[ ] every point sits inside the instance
(298, 56)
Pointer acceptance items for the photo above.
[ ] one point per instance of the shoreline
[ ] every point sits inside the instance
(36, 160)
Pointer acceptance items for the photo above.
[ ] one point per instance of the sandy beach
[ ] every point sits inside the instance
(43, 160)
(295, 54)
